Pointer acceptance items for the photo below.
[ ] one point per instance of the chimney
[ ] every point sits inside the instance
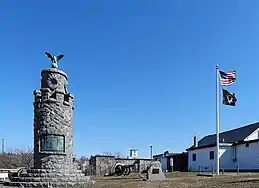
(195, 141)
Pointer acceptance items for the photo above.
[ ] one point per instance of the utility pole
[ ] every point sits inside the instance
(151, 152)
(3, 143)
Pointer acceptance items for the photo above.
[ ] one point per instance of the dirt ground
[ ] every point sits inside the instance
(182, 180)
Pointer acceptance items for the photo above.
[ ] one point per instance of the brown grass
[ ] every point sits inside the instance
(182, 180)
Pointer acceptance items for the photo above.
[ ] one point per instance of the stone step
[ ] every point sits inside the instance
(51, 179)
(45, 184)
(53, 171)
(52, 175)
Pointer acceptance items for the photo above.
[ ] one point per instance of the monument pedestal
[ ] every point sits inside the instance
(154, 172)
(53, 135)
(42, 177)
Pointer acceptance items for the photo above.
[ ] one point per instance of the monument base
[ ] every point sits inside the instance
(44, 177)
(154, 172)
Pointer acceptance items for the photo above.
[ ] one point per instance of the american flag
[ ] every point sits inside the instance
(227, 78)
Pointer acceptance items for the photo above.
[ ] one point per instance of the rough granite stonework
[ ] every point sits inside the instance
(154, 172)
(53, 118)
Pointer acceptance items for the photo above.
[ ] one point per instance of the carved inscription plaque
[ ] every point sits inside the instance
(52, 143)
(155, 171)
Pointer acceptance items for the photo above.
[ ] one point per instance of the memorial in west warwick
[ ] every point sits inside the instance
(53, 134)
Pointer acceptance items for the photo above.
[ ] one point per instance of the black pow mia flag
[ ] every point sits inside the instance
(229, 98)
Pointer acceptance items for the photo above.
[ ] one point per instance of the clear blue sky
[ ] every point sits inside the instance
(142, 71)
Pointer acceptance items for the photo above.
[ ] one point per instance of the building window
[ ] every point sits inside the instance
(247, 144)
(194, 157)
(211, 155)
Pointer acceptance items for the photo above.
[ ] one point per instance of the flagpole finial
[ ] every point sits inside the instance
(217, 66)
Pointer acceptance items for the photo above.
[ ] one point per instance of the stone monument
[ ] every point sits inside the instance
(154, 172)
(53, 138)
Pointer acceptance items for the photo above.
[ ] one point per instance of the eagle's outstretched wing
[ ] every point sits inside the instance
(60, 57)
(49, 55)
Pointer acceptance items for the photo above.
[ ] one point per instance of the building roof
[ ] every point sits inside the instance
(167, 155)
(231, 136)
(118, 158)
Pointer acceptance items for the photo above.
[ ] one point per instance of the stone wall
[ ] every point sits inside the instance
(101, 165)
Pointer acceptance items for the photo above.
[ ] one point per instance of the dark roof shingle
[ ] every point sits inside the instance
(231, 136)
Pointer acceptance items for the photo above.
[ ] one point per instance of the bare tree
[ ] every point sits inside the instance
(82, 163)
(107, 154)
(117, 155)
(83, 159)
(17, 158)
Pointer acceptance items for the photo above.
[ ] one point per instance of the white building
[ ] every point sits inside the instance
(133, 154)
(239, 148)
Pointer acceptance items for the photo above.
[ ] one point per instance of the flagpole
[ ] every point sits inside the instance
(217, 118)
